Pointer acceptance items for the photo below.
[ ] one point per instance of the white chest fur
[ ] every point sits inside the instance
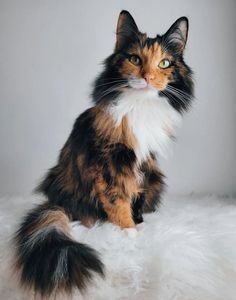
(151, 118)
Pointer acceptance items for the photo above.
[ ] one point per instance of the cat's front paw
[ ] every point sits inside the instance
(131, 232)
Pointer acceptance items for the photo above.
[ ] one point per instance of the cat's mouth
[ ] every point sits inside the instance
(141, 84)
(138, 83)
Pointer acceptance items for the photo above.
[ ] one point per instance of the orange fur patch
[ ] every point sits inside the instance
(119, 211)
(105, 127)
(52, 217)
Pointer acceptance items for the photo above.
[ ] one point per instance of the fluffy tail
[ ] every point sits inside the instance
(47, 258)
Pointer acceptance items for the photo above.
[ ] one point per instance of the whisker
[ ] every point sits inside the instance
(117, 78)
(181, 93)
(111, 89)
(175, 99)
(183, 100)
(185, 96)
(114, 81)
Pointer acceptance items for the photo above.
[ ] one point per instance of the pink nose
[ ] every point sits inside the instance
(148, 77)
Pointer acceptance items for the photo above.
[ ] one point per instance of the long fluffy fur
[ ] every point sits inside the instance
(152, 120)
(107, 169)
(48, 258)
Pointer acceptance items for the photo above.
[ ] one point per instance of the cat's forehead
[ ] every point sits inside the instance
(149, 49)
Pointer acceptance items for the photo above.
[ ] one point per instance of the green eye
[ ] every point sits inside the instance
(165, 63)
(135, 60)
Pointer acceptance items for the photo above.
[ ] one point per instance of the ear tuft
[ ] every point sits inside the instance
(176, 36)
(126, 30)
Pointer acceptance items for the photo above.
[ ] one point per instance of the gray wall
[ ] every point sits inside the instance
(50, 51)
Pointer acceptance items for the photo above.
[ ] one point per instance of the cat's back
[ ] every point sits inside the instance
(62, 179)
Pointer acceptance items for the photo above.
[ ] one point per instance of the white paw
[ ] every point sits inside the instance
(140, 226)
(131, 232)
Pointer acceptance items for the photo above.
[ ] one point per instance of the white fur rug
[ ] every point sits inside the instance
(185, 251)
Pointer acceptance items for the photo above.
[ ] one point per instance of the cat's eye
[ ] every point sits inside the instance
(165, 63)
(135, 60)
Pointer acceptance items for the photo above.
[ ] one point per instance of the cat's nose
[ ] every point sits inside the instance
(148, 77)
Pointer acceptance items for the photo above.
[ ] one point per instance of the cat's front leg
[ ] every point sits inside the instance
(119, 212)
(117, 207)
(117, 185)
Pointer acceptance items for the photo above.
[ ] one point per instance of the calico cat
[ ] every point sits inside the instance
(107, 169)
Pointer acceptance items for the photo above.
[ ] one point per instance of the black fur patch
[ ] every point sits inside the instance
(107, 84)
(154, 177)
(137, 209)
(122, 157)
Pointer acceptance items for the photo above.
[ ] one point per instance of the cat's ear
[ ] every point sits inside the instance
(126, 31)
(176, 36)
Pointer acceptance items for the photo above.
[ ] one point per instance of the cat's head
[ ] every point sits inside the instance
(143, 63)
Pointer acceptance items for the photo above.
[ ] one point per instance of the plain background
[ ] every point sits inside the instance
(50, 52)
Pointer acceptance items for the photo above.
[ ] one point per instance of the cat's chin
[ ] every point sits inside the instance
(141, 85)
(148, 90)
